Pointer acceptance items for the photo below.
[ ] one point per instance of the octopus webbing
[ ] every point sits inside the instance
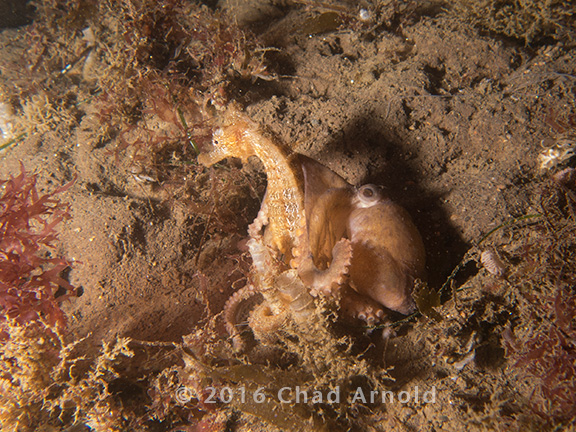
(316, 235)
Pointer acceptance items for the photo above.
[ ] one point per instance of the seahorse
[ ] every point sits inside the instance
(283, 203)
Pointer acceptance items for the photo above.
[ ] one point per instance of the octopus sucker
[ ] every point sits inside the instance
(255, 228)
(354, 305)
(316, 236)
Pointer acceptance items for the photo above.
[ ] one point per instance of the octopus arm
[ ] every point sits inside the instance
(328, 282)
(295, 293)
(360, 307)
(237, 312)
(256, 227)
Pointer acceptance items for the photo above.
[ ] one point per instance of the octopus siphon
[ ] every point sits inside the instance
(316, 236)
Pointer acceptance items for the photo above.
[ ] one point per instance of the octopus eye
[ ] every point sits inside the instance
(367, 192)
(368, 195)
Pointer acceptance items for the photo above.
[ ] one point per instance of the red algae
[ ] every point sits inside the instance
(31, 285)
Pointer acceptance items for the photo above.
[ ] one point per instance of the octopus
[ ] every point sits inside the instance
(316, 236)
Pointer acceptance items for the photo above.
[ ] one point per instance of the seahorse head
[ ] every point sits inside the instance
(229, 141)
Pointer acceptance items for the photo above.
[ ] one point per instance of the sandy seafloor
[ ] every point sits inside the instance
(450, 119)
